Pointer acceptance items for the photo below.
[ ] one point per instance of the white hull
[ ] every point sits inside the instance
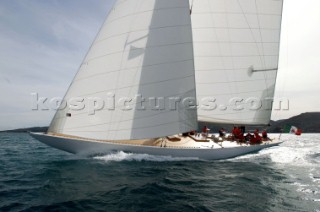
(86, 147)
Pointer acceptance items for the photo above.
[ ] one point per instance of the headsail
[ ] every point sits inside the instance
(144, 47)
(236, 47)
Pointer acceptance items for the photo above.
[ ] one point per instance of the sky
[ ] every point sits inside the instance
(42, 44)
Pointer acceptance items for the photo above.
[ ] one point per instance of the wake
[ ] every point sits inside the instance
(122, 156)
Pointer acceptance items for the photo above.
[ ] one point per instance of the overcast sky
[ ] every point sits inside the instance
(42, 44)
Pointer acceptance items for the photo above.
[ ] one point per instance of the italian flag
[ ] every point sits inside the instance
(293, 130)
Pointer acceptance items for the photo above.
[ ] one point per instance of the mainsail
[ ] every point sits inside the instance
(236, 47)
(144, 47)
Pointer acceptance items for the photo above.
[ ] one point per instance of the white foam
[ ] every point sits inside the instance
(300, 185)
(294, 152)
(122, 156)
(292, 156)
(260, 155)
(314, 178)
(308, 191)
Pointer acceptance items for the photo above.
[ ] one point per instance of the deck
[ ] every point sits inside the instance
(213, 141)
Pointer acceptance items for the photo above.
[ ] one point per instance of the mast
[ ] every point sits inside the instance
(236, 47)
(143, 49)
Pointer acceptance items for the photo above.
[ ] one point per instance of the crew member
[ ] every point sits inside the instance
(222, 132)
(205, 131)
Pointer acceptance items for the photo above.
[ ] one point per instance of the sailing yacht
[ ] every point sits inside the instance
(158, 67)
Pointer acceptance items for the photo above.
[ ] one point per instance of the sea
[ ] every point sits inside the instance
(34, 177)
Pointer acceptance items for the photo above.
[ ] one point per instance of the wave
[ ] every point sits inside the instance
(283, 156)
(294, 151)
(122, 156)
(299, 158)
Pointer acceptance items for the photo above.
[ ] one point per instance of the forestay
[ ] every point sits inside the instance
(144, 47)
(236, 47)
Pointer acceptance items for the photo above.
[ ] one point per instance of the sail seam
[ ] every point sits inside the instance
(152, 126)
(253, 28)
(142, 84)
(209, 83)
(141, 30)
(174, 95)
(141, 12)
(108, 123)
(236, 42)
(234, 13)
(129, 69)
(235, 56)
(223, 94)
(146, 47)
(221, 69)
(183, 25)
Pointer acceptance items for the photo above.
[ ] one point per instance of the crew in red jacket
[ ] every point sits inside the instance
(264, 134)
(236, 133)
(257, 137)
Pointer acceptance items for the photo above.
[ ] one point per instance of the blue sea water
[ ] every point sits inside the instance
(34, 177)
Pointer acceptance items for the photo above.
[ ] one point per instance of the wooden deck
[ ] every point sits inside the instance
(177, 141)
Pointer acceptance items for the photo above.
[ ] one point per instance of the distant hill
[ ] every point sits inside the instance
(308, 122)
(31, 129)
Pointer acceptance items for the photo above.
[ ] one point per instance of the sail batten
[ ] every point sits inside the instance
(236, 48)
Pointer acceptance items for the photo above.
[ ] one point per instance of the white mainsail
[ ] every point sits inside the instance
(236, 47)
(144, 47)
